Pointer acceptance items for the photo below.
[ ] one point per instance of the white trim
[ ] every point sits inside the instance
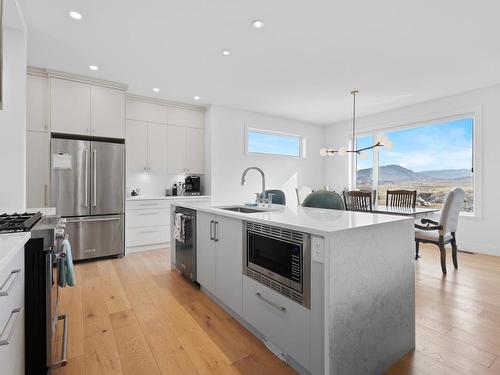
(475, 112)
(250, 128)
(85, 79)
(169, 103)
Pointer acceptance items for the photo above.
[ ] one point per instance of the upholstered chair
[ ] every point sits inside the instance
(324, 199)
(444, 231)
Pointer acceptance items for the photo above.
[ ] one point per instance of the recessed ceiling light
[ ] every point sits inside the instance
(156, 89)
(93, 67)
(75, 15)
(257, 24)
(196, 97)
(225, 52)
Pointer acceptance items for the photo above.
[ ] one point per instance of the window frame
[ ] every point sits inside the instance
(475, 113)
(301, 138)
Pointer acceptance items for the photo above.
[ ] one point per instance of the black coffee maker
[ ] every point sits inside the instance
(192, 185)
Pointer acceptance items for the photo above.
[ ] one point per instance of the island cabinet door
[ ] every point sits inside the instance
(205, 251)
(228, 262)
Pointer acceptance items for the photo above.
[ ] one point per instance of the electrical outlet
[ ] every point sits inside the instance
(318, 249)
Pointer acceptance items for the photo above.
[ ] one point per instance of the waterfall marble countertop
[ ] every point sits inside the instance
(304, 219)
(10, 244)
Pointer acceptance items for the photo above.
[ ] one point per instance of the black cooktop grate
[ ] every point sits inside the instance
(10, 223)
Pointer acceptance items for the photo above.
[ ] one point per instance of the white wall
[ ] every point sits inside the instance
(13, 115)
(225, 129)
(478, 234)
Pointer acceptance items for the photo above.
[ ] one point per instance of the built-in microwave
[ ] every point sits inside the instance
(280, 259)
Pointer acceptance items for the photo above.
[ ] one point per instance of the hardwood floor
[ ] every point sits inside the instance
(134, 316)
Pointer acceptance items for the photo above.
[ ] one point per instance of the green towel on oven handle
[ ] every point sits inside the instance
(66, 270)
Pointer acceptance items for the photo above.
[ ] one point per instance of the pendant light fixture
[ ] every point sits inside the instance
(381, 139)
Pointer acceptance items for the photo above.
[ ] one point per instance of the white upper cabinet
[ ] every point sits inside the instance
(69, 107)
(185, 117)
(142, 111)
(107, 112)
(137, 147)
(195, 146)
(37, 169)
(157, 148)
(176, 148)
(37, 103)
(86, 109)
(185, 150)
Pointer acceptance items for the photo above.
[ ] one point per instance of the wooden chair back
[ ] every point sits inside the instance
(401, 198)
(358, 201)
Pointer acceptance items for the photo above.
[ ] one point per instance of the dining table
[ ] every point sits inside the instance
(416, 212)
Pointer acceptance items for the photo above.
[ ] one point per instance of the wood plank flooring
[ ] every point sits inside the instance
(135, 316)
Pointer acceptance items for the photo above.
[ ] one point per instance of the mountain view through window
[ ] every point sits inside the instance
(431, 159)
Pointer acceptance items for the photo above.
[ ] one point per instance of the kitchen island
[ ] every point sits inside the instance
(347, 303)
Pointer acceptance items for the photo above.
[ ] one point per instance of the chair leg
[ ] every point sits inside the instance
(454, 251)
(442, 250)
(417, 249)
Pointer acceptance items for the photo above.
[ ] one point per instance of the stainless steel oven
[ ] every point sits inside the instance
(280, 259)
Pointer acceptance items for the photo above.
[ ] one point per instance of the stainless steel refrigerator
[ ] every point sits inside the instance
(87, 188)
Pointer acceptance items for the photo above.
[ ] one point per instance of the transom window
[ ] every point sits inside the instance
(431, 159)
(271, 143)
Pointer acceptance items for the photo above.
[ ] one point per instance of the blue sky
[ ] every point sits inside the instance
(438, 146)
(273, 144)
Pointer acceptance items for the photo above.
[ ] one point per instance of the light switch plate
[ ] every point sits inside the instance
(318, 249)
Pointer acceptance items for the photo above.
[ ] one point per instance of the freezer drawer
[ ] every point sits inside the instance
(95, 236)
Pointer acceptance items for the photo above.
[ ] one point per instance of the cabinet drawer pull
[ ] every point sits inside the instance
(148, 231)
(280, 308)
(216, 231)
(9, 282)
(6, 336)
(148, 204)
(149, 213)
(212, 230)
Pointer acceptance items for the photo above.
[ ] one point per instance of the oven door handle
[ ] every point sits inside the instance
(264, 299)
(64, 351)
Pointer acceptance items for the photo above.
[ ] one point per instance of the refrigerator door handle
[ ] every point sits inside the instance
(85, 153)
(94, 194)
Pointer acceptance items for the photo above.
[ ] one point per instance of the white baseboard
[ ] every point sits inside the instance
(479, 248)
(137, 249)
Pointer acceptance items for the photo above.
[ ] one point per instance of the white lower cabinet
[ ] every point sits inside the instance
(147, 224)
(219, 258)
(282, 321)
(12, 314)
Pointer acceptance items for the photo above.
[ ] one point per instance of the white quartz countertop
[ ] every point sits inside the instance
(304, 219)
(177, 197)
(10, 243)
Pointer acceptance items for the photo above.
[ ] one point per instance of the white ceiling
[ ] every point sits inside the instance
(301, 65)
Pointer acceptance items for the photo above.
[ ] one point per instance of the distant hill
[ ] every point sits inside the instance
(396, 173)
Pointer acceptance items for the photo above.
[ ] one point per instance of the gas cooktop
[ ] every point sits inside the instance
(11, 223)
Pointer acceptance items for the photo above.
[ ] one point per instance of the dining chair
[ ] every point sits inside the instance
(443, 231)
(302, 192)
(358, 200)
(278, 196)
(324, 199)
(401, 198)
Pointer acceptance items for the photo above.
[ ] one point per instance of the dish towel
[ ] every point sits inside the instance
(66, 270)
(181, 227)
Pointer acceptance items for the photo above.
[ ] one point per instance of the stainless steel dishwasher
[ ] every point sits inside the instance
(185, 252)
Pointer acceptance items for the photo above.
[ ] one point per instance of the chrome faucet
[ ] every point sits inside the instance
(263, 179)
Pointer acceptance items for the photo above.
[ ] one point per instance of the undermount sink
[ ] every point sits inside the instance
(244, 210)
